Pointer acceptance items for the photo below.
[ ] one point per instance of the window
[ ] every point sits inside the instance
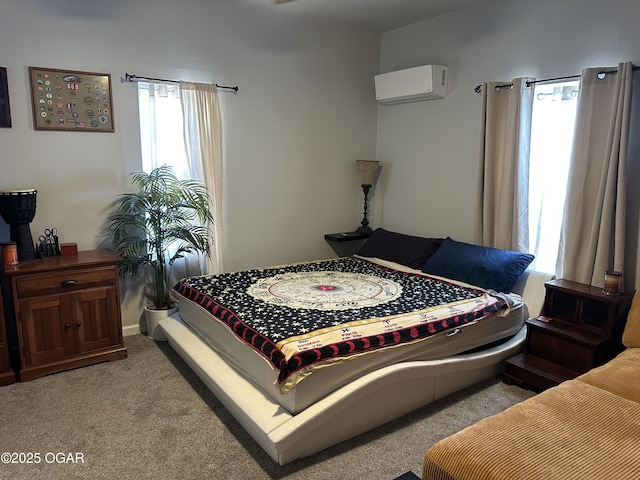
(181, 126)
(161, 131)
(162, 140)
(553, 121)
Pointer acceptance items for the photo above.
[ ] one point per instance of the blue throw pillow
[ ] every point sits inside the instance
(486, 267)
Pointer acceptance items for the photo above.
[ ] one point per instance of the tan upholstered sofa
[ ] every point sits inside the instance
(586, 428)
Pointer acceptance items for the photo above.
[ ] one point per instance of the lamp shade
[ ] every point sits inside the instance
(367, 169)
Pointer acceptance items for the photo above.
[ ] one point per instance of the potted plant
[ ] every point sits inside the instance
(164, 220)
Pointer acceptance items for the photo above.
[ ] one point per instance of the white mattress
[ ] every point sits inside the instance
(325, 380)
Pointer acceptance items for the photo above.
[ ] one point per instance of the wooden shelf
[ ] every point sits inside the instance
(346, 243)
(346, 236)
(580, 328)
(587, 291)
(572, 332)
(536, 372)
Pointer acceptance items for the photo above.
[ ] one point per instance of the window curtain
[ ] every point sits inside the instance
(203, 137)
(501, 219)
(162, 144)
(593, 232)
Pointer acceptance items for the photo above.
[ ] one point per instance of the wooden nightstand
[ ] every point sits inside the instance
(580, 328)
(67, 312)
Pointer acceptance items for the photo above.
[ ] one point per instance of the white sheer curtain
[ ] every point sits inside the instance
(502, 202)
(593, 234)
(554, 112)
(203, 137)
(162, 143)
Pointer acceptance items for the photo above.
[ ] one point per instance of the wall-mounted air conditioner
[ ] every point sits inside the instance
(412, 84)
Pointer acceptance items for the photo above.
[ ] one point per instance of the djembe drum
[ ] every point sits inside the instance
(17, 208)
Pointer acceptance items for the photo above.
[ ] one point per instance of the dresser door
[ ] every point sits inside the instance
(96, 321)
(46, 328)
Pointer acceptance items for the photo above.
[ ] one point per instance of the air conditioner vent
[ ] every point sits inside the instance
(412, 84)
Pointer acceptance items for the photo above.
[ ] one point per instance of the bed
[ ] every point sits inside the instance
(310, 354)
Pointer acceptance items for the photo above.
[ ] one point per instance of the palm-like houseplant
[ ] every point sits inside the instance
(164, 220)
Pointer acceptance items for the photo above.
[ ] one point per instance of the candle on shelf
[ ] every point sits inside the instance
(9, 253)
(611, 282)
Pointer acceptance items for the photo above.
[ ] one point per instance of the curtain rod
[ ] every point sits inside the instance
(478, 88)
(133, 78)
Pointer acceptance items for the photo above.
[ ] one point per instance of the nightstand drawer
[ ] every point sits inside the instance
(61, 282)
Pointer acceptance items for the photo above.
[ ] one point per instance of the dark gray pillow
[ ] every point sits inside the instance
(407, 250)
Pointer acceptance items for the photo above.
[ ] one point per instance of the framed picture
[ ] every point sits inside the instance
(5, 111)
(71, 100)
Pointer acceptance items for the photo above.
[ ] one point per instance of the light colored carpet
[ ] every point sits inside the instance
(150, 417)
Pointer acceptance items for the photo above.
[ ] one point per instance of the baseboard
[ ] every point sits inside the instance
(129, 330)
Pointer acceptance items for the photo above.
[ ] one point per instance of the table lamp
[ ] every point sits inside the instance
(367, 169)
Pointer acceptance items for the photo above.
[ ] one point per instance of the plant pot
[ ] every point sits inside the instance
(152, 316)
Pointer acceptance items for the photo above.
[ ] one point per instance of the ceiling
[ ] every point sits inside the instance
(378, 15)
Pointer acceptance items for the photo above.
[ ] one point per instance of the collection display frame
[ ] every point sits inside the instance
(71, 100)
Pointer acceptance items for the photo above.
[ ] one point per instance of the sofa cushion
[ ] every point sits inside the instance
(574, 431)
(618, 375)
(631, 335)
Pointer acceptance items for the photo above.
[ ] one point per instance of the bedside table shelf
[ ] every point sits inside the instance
(346, 243)
(581, 328)
(346, 236)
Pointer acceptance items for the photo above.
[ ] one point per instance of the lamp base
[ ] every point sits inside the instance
(364, 229)
(364, 224)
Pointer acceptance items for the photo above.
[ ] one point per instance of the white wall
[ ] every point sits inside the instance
(305, 112)
(430, 149)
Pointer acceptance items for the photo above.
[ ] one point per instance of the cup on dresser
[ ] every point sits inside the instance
(9, 253)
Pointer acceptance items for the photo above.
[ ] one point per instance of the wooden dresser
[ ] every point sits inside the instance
(7, 374)
(67, 312)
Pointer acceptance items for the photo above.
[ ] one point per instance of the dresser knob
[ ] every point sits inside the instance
(68, 283)
(67, 326)
(78, 324)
